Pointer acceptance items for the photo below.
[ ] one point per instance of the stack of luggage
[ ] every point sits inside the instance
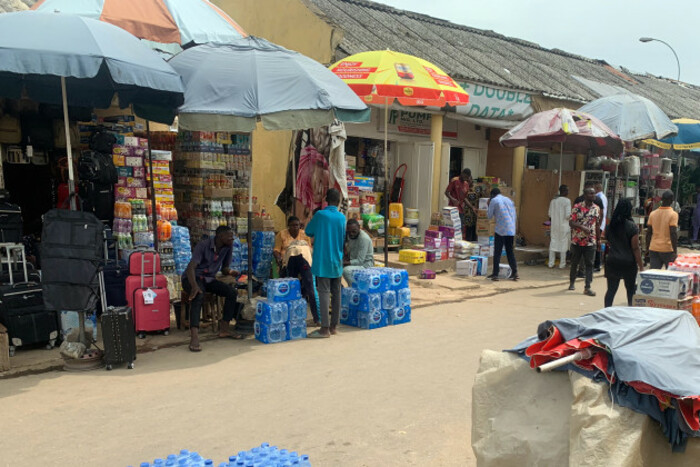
(22, 309)
(147, 293)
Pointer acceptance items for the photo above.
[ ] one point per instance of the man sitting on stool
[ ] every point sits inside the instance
(359, 251)
(210, 256)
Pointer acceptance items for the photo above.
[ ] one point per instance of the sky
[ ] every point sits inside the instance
(600, 29)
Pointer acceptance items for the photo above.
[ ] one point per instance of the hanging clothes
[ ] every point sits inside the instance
(313, 178)
(336, 157)
(560, 213)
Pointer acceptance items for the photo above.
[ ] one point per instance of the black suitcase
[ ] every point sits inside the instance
(118, 337)
(22, 312)
(118, 334)
(10, 223)
(115, 272)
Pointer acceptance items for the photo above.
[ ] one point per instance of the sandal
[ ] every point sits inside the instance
(318, 335)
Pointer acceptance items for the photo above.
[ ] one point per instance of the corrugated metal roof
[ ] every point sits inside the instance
(491, 58)
(7, 6)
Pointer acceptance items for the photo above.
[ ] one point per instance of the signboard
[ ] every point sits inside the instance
(495, 103)
(415, 123)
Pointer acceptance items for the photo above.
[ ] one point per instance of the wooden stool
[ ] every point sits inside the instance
(211, 311)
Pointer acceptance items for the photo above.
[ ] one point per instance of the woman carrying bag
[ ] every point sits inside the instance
(624, 257)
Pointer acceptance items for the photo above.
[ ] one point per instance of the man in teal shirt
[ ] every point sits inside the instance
(327, 228)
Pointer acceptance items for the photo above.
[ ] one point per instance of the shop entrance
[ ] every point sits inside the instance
(456, 162)
(31, 187)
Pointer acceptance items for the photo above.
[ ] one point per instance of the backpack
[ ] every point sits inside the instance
(102, 141)
(97, 167)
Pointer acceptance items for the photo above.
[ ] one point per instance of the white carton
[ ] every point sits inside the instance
(483, 204)
(664, 284)
(504, 271)
(483, 265)
(467, 268)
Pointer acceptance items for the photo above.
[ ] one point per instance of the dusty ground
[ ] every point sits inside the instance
(393, 396)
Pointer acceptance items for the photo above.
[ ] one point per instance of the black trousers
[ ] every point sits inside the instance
(218, 288)
(614, 276)
(299, 268)
(587, 254)
(504, 241)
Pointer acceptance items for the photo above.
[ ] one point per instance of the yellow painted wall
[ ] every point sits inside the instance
(290, 24)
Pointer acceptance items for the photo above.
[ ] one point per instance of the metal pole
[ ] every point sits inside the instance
(554, 364)
(678, 182)
(154, 214)
(678, 62)
(386, 183)
(561, 164)
(250, 222)
(69, 148)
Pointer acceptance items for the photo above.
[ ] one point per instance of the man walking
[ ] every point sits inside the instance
(585, 225)
(327, 228)
(560, 232)
(662, 233)
(359, 251)
(502, 210)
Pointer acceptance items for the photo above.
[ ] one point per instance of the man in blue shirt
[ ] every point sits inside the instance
(327, 228)
(209, 256)
(502, 210)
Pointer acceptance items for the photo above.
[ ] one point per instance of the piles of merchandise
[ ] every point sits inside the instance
(265, 455)
(282, 315)
(210, 170)
(263, 243)
(379, 297)
(182, 251)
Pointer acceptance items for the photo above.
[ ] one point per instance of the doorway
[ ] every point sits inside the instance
(456, 157)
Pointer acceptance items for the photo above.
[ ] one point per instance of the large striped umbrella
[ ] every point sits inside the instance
(688, 136)
(382, 76)
(168, 25)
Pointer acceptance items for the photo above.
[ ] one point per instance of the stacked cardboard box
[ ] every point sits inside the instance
(658, 288)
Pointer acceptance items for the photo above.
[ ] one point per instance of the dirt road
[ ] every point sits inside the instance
(393, 396)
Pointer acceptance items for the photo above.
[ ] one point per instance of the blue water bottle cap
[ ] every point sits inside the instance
(284, 452)
(208, 462)
(184, 452)
(232, 458)
(172, 456)
(145, 464)
(265, 445)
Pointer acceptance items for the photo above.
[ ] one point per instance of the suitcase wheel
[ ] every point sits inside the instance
(142, 335)
(130, 366)
(108, 367)
(12, 351)
(166, 332)
(51, 344)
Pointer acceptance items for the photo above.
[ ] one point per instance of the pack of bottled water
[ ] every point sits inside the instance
(348, 316)
(297, 309)
(263, 239)
(270, 312)
(263, 455)
(372, 319)
(378, 297)
(400, 315)
(283, 290)
(371, 280)
(182, 250)
(282, 315)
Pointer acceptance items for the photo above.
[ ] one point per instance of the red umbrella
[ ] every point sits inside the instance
(574, 131)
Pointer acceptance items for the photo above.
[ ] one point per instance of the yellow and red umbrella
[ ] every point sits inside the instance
(382, 76)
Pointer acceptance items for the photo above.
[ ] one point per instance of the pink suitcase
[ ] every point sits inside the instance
(153, 317)
(148, 317)
(133, 283)
(144, 262)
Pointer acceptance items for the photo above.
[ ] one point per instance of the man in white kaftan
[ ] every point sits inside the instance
(560, 233)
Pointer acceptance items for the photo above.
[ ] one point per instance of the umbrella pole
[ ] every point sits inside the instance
(561, 163)
(678, 182)
(386, 184)
(154, 214)
(250, 222)
(69, 149)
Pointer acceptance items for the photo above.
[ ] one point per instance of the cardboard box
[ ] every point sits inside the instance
(483, 204)
(486, 240)
(482, 214)
(659, 283)
(468, 268)
(218, 193)
(486, 251)
(665, 303)
(432, 243)
(485, 228)
(483, 264)
(364, 183)
(351, 162)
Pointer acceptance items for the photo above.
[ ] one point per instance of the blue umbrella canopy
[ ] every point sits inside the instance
(231, 87)
(97, 60)
(631, 116)
(688, 136)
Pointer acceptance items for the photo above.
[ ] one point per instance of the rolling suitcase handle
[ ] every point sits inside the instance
(9, 248)
(143, 263)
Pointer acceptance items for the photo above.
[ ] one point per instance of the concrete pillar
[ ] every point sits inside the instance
(580, 163)
(518, 169)
(436, 138)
